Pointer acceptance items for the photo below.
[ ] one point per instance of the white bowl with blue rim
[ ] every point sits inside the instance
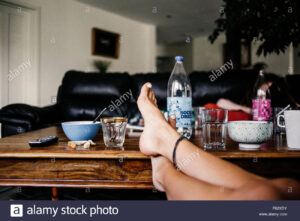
(250, 134)
(81, 130)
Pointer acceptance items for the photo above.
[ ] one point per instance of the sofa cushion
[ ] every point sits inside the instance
(84, 95)
(94, 85)
(232, 85)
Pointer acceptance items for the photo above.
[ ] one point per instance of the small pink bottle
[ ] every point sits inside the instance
(261, 102)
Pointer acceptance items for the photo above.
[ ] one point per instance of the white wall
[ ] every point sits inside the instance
(207, 56)
(297, 61)
(277, 64)
(182, 49)
(65, 42)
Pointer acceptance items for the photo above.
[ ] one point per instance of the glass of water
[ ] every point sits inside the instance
(114, 129)
(214, 128)
(197, 115)
(277, 129)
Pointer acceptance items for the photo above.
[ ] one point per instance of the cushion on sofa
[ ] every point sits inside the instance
(84, 95)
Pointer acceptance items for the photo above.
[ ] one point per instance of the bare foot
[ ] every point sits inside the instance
(158, 135)
(160, 165)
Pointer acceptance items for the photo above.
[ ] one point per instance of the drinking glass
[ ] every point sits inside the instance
(197, 115)
(214, 128)
(114, 129)
(277, 129)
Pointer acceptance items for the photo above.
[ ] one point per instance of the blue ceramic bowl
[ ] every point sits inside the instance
(80, 130)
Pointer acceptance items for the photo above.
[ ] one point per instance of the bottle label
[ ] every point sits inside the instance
(182, 108)
(261, 109)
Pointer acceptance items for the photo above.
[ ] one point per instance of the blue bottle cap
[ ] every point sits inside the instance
(178, 58)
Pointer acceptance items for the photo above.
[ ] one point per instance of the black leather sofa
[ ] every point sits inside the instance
(82, 95)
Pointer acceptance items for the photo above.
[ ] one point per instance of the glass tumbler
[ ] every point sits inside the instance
(114, 129)
(197, 115)
(214, 128)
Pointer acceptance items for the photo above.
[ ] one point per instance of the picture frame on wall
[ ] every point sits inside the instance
(105, 43)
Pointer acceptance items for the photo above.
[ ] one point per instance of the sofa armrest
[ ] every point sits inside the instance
(20, 118)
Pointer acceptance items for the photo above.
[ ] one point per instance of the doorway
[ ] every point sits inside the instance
(18, 54)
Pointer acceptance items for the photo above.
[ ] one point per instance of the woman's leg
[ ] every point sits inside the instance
(179, 186)
(167, 179)
(213, 178)
(159, 138)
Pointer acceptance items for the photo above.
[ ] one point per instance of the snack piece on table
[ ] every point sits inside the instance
(85, 143)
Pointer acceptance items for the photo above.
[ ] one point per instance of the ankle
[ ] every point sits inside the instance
(168, 137)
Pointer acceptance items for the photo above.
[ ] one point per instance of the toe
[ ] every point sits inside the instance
(145, 89)
(144, 94)
(151, 95)
(172, 120)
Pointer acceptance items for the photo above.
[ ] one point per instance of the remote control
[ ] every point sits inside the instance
(44, 141)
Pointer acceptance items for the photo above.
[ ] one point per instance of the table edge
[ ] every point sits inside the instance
(141, 156)
(109, 184)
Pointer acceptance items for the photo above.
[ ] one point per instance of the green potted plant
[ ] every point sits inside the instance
(102, 66)
(274, 25)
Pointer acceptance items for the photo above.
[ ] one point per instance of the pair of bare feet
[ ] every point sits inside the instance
(157, 134)
(158, 139)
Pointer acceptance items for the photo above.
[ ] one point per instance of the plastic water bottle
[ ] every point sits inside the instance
(261, 103)
(179, 101)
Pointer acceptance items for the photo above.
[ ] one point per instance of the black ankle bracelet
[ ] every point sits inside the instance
(174, 151)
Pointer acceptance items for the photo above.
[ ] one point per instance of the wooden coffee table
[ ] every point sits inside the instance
(98, 167)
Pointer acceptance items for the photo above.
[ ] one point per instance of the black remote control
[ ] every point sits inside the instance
(44, 141)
